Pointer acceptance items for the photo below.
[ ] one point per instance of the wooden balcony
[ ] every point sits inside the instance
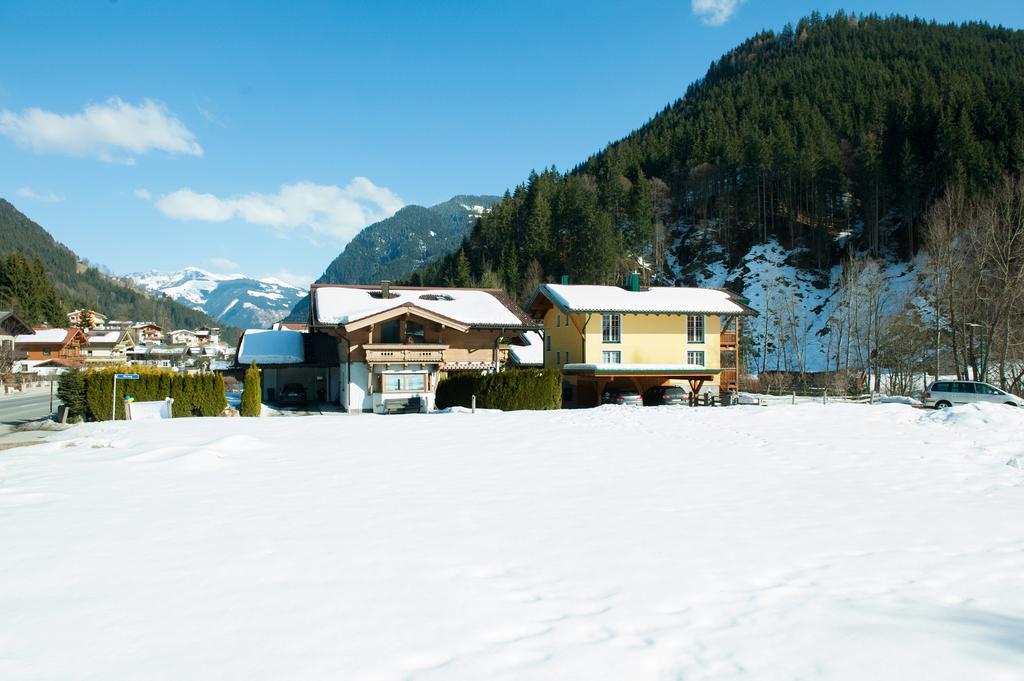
(395, 353)
(728, 380)
(727, 340)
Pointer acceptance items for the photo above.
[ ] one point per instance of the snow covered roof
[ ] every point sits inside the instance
(106, 336)
(45, 337)
(266, 346)
(532, 354)
(472, 307)
(656, 299)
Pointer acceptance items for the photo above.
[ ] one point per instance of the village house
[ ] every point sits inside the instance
(370, 348)
(148, 333)
(52, 348)
(108, 347)
(603, 337)
(11, 327)
(182, 337)
(86, 319)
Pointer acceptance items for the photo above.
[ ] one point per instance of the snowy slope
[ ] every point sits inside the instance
(843, 542)
(778, 284)
(235, 299)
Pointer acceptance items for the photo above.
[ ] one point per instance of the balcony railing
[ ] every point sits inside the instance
(391, 353)
(727, 338)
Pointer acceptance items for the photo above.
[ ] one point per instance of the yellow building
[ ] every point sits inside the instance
(602, 337)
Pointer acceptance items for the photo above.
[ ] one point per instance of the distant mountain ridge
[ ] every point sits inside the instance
(80, 284)
(402, 243)
(235, 299)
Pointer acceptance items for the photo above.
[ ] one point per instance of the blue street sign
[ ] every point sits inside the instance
(123, 376)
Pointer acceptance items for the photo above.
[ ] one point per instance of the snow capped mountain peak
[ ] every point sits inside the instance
(235, 299)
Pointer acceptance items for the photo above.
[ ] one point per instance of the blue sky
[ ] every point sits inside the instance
(260, 136)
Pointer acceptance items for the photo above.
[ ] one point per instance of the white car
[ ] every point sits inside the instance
(942, 394)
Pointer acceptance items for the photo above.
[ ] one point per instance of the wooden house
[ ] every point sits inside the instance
(65, 345)
(639, 338)
(397, 342)
(11, 327)
(108, 346)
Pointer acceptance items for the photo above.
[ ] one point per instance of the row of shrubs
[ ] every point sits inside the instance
(508, 390)
(88, 394)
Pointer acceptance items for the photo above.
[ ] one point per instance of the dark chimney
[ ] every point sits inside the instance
(385, 289)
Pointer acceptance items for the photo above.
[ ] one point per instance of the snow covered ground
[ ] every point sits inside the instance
(782, 542)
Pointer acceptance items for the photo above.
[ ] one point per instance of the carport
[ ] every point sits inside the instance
(285, 356)
(591, 380)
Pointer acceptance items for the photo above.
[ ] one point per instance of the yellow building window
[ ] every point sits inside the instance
(695, 329)
(611, 328)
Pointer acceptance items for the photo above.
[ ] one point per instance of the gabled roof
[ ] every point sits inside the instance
(653, 300)
(44, 336)
(21, 327)
(470, 307)
(107, 336)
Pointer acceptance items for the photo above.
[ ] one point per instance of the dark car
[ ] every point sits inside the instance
(622, 396)
(292, 393)
(666, 394)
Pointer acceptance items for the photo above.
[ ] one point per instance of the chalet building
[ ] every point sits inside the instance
(182, 337)
(148, 333)
(639, 338)
(368, 347)
(86, 319)
(11, 327)
(62, 347)
(108, 347)
(397, 342)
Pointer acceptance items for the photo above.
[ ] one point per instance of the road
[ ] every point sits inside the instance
(14, 410)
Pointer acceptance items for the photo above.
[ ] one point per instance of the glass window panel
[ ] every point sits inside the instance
(611, 328)
(415, 382)
(695, 329)
(414, 332)
(392, 383)
(611, 357)
(389, 332)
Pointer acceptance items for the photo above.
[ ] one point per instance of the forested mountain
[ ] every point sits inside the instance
(402, 243)
(830, 136)
(81, 285)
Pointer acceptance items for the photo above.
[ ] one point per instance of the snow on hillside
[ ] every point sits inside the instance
(775, 283)
(235, 299)
(812, 542)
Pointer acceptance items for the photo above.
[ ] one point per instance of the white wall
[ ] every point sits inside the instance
(358, 400)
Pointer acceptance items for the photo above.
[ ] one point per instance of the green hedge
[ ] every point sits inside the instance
(194, 394)
(509, 390)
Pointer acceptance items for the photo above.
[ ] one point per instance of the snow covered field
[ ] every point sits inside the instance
(801, 542)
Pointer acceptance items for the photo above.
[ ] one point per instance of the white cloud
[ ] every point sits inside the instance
(291, 278)
(111, 131)
(143, 194)
(48, 197)
(224, 264)
(715, 12)
(339, 212)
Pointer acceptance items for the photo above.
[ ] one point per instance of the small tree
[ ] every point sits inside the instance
(251, 392)
(71, 391)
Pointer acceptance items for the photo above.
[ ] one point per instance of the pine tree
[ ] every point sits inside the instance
(71, 392)
(461, 275)
(251, 393)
